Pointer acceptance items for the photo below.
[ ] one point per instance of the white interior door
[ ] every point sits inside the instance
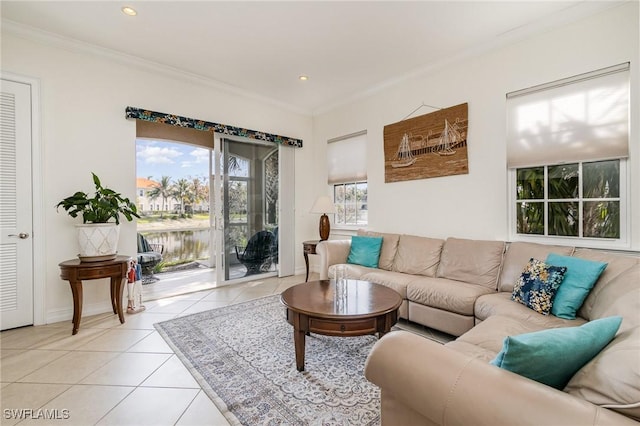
(16, 221)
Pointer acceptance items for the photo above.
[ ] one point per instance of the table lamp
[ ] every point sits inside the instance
(324, 205)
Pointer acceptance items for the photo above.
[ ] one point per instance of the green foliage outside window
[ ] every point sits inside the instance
(576, 200)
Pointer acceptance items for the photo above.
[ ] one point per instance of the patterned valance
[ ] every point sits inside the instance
(176, 120)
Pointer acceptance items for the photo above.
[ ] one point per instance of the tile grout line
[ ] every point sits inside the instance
(189, 405)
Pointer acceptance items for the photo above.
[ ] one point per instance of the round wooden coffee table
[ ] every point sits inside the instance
(313, 307)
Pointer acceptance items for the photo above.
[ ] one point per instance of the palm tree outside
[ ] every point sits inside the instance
(162, 190)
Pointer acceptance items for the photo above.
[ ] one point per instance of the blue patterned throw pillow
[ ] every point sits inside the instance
(537, 285)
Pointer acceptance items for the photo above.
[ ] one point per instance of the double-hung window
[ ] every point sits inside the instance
(567, 149)
(347, 177)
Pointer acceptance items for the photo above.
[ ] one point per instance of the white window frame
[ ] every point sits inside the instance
(621, 243)
(350, 225)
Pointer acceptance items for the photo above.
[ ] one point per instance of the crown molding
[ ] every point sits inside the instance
(566, 16)
(70, 44)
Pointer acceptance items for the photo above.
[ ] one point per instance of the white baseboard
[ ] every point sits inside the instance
(59, 315)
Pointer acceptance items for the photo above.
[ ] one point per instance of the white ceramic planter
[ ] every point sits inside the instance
(98, 241)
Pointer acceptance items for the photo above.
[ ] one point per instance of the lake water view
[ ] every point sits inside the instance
(181, 246)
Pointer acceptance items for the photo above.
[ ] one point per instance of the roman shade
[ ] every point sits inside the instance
(347, 158)
(581, 118)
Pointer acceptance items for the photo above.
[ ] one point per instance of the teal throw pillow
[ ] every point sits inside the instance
(578, 281)
(365, 251)
(553, 356)
(537, 285)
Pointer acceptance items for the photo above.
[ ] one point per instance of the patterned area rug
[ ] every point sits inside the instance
(243, 357)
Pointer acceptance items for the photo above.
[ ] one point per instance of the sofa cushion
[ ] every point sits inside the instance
(490, 334)
(418, 255)
(365, 251)
(553, 356)
(394, 280)
(449, 295)
(612, 378)
(579, 279)
(616, 265)
(620, 296)
(537, 285)
(518, 254)
(351, 271)
(501, 304)
(472, 261)
(388, 249)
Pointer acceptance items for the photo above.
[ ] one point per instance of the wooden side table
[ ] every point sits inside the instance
(309, 248)
(75, 271)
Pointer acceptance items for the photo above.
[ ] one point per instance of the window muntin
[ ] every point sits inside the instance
(350, 200)
(580, 200)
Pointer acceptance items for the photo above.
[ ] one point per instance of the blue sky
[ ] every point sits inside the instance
(160, 158)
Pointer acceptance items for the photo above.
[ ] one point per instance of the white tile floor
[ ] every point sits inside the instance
(112, 373)
(116, 374)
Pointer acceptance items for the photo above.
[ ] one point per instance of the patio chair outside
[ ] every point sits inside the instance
(149, 255)
(257, 256)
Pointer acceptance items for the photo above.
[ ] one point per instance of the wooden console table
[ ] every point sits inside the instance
(309, 247)
(75, 271)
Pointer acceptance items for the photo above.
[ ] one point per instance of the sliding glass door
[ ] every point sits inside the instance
(249, 195)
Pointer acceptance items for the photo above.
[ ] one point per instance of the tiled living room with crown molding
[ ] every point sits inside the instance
(471, 255)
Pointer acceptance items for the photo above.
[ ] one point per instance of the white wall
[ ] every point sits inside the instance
(475, 205)
(84, 130)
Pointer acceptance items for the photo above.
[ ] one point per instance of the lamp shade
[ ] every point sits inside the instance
(323, 205)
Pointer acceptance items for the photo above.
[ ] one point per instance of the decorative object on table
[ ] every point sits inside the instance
(242, 356)
(427, 146)
(98, 236)
(134, 288)
(324, 205)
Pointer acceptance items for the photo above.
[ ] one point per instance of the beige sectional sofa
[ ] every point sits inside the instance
(463, 287)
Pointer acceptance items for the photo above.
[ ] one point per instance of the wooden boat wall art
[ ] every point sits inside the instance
(427, 146)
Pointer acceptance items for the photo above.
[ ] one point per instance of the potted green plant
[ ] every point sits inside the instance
(99, 232)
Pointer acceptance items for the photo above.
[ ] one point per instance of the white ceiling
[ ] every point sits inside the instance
(347, 48)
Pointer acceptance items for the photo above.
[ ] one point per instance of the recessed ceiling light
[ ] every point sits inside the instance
(129, 11)
(303, 78)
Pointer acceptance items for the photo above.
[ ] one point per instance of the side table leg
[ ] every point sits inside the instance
(114, 292)
(117, 291)
(76, 290)
(306, 262)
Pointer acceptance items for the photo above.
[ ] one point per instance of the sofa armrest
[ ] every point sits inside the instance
(332, 252)
(423, 382)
